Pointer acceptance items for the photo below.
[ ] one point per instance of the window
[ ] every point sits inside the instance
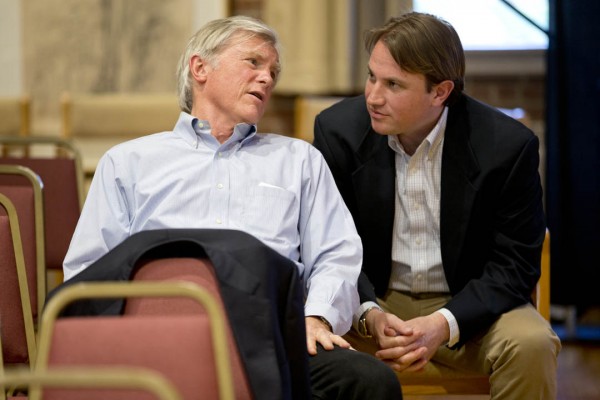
(492, 24)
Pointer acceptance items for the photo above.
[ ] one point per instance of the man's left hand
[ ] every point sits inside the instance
(432, 332)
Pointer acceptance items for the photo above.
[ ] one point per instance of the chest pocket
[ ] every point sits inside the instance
(270, 212)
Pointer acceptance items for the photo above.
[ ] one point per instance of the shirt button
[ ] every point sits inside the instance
(218, 221)
(419, 277)
(418, 241)
(220, 186)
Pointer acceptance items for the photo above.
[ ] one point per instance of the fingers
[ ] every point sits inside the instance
(318, 332)
(340, 341)
(311, 346)
(393, 341)
(409, 362)
(394, 353)
(403, 330)
(417, 366)
(327, 340)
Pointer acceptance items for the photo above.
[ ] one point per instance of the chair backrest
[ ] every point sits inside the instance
(96, 122)
(189, 350)
(17, 333)
(24, 188)
(196, 270)
(138, 382)
(58, 165)
(306, 109)
(14, 115)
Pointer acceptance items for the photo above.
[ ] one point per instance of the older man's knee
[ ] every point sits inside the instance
(347, 374)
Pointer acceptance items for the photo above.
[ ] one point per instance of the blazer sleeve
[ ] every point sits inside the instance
(338, 133)
(502, 246)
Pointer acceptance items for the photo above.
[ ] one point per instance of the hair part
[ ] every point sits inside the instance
(209, 41)
(424, 44)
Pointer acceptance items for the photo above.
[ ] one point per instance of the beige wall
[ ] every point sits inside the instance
(99, 46)
(11, 83)
(51, 46)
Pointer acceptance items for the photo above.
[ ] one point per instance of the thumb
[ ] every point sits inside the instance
(388, 331)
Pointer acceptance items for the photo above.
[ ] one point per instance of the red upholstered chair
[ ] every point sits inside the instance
(138, 382)
(58, 165)
(190, 350)
(17, 334)
(201, 272)
(22, 281)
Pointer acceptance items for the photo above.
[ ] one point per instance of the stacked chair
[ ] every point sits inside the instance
(189, 350)
(95, 122)
(58, 167)
(136, 381)
(14, 116)
(22, 287)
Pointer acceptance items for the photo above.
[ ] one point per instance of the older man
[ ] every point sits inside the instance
(215, 171)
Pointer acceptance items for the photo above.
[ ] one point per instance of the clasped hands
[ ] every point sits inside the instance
(407, 345)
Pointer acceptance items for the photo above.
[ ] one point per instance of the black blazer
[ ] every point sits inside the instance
(260, 290)
(491, 216)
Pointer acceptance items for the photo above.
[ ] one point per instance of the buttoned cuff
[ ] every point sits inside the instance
(453, 325)
(364, 307)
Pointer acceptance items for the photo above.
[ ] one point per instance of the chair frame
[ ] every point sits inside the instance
(22, 106)
(22, 280)
(306, 108)
(87, 377)
(62, 146)
(76, 109)
(37, 185)
(103, 290)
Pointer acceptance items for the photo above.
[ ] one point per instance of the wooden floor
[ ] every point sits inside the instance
(578, 374)
(579, 371)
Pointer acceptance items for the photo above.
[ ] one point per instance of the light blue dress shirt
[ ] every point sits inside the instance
(276, 188)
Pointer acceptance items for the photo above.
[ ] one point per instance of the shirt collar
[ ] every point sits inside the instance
(193, 130)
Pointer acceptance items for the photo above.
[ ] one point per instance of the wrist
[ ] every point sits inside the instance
(365, 324)
(323, 320)
(450, 326)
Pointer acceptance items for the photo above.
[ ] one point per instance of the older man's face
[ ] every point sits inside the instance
(239, 85)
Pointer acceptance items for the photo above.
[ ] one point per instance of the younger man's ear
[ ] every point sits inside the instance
(442, 91)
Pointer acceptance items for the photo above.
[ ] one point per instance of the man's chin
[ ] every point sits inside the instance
(380, 129)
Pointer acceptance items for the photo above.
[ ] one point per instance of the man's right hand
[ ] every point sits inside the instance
(318, 332)
(400, 342)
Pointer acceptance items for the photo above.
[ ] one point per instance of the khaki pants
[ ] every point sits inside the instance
(518, 351)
